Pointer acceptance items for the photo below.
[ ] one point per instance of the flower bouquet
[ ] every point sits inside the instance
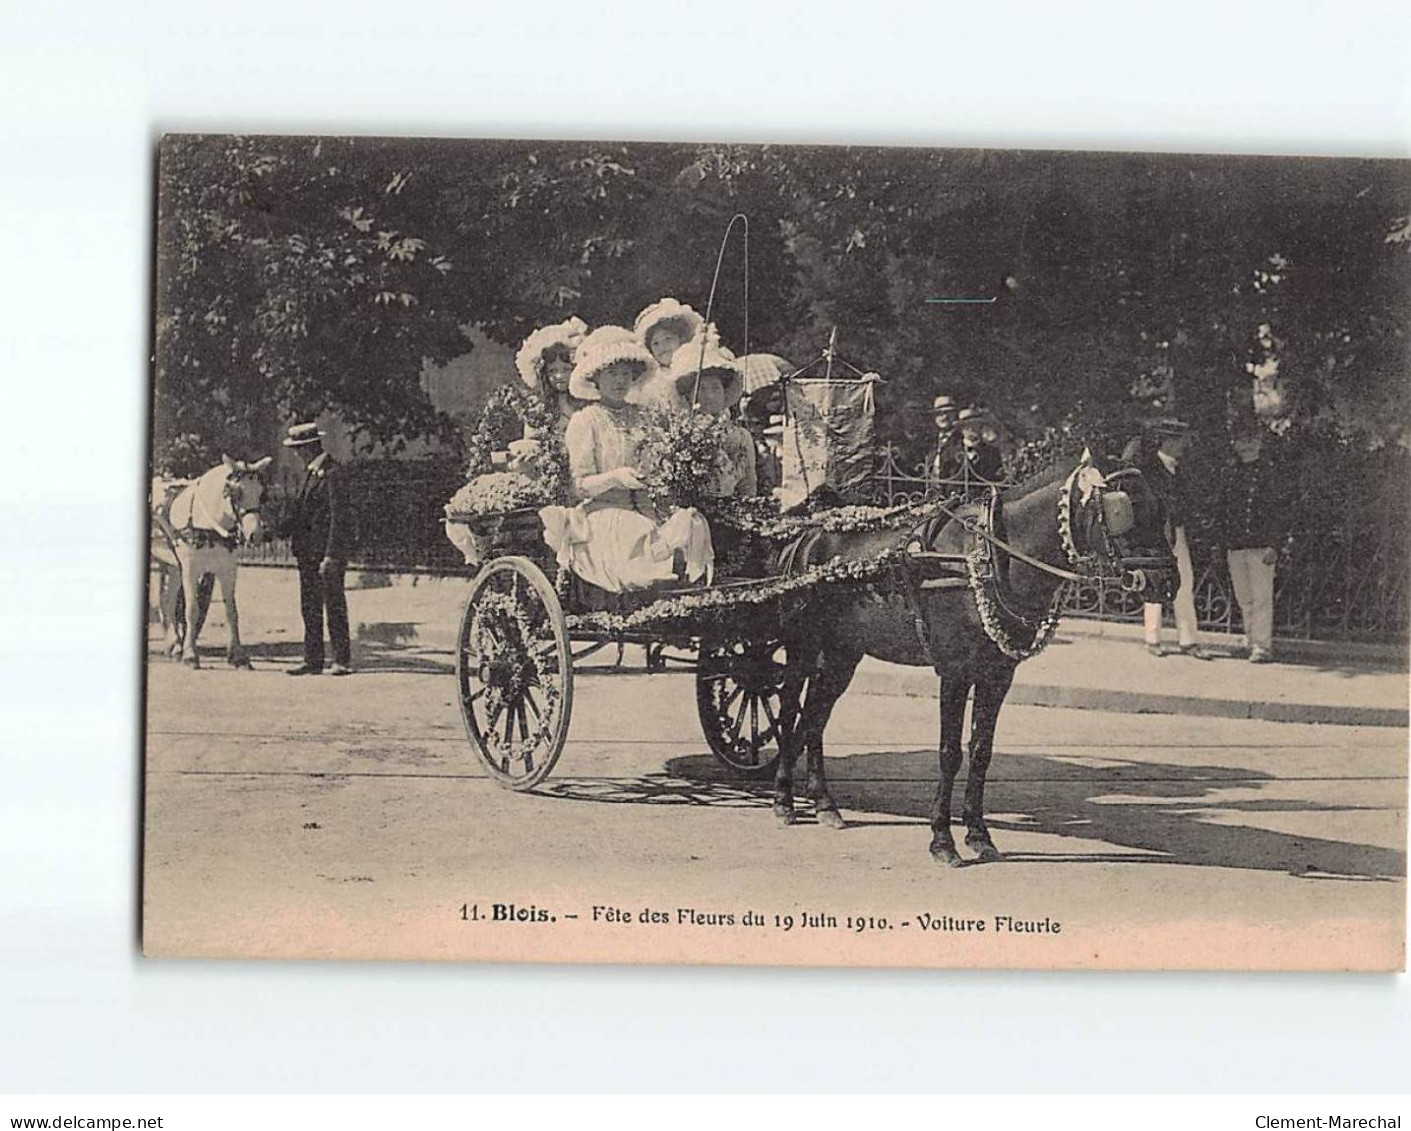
(498, 511)
(682, 457)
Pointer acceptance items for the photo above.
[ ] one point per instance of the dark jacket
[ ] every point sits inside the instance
(1171, 487)
(319, 526)
(981, 464)
(1254, 505)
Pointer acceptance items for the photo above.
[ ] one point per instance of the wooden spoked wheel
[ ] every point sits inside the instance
(739, 686)
(514, 672)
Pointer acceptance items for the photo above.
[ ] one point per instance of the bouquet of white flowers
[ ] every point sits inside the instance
(499, 492)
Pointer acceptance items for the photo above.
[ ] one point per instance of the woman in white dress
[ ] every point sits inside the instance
(615, 538)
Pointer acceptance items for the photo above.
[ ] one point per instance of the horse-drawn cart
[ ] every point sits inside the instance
(527, 624)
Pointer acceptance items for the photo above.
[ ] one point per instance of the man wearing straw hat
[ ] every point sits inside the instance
(975, 462)
(318, 529)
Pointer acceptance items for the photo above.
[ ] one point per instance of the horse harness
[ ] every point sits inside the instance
(983, 568)
(205, 537)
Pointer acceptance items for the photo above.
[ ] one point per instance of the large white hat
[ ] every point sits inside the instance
(603, 347)
(569, 334)
(667, 310)
(688, 360)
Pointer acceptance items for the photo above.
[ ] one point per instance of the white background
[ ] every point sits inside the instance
(83, 93)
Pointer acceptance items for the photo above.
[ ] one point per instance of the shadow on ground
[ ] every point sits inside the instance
(1148, 812)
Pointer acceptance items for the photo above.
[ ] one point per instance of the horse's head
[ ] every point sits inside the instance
(1117, 522)
(243, 491)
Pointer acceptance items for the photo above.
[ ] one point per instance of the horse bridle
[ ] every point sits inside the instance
(1109, 560)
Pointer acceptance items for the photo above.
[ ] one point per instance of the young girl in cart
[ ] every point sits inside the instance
(705, 377)
(663, 328)
(545, 364)
(614, 537)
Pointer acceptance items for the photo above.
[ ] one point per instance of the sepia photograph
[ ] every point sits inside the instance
(807, 555)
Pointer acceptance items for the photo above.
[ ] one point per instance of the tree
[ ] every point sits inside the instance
(293, 278)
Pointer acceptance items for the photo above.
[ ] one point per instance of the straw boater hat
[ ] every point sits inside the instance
(967, 415)
(301, 434)
(944, 404)
(568, 334)
(603, 347)
(717, 360)
(667, 310)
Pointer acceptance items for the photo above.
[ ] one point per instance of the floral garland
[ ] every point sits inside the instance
(496, 493)
(507, 408)
(718, 603)
(978, 569)
(681, 456)
(760, 518)
(510, 637)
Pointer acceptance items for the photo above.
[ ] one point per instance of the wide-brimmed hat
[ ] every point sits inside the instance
(567, 335)
(1168, 426)
(708, 357)
(972, 414)
(301, 434)
(606, 346)
(667, 310)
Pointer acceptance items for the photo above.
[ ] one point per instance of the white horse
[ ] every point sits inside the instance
(206, 520)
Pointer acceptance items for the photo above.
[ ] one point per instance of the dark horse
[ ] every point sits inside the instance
(973, 621)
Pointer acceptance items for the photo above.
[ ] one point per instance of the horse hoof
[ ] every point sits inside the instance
(985, 852)
(192, 662)
(946, 854)
(241, 663)
(832, 818)
(785, 814)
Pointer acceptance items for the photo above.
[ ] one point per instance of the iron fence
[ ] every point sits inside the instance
(1343, 584)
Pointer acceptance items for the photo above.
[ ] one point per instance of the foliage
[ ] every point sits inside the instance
(510, 412)
(292, 279)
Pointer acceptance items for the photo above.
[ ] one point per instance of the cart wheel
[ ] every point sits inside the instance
(738, 697)
(514, 672)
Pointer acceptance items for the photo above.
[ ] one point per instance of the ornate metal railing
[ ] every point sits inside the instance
(1339, 586)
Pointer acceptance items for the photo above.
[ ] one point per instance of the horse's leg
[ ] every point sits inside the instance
(954, 691)
(169, 608)
(792, 721)
(205, 589)
(190, 581)
(234, 653)
(990, 691)
(824, 691)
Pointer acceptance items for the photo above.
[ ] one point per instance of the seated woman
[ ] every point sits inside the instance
(713, 379)
(614, 538)
(545, 363)
(663, 328)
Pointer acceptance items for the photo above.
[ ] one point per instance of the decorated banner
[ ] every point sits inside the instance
(828, 438)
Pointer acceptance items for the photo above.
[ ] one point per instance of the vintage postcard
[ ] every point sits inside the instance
(595, 552)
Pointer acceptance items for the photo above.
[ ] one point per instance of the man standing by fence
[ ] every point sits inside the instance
(319, 532)
(1253, 518)
(1158, 453)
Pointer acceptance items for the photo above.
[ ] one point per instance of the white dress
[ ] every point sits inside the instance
(615, 540)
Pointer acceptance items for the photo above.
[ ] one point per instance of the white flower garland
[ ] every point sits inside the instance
(504, 606)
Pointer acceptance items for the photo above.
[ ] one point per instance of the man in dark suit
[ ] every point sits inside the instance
(319, 530)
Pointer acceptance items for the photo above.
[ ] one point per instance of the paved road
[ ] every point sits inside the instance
(349, 817)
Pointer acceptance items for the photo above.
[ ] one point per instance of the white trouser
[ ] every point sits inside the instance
(1253, 579)
(1185, 599)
